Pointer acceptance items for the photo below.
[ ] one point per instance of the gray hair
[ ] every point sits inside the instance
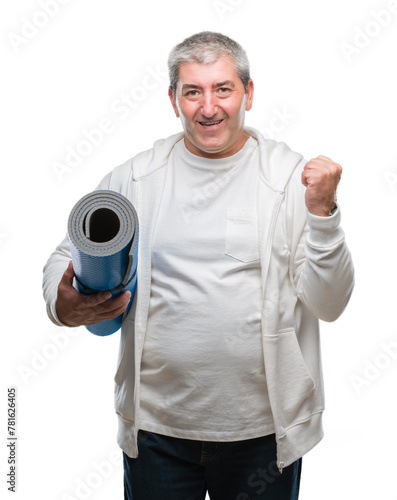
(207, 47)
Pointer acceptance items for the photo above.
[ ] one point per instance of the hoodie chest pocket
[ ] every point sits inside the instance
(242, 235)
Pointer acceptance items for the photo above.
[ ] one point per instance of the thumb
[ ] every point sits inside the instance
(304, 178)
(68, 275)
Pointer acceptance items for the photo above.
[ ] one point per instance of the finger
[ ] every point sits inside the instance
(112, 309)
(324, 161)
(105, 302)
(112, 314)
(320, 160)
(96, 299)
(68, 275)
(120, 300)
(304, 177)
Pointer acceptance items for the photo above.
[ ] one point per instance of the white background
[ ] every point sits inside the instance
(337, 87)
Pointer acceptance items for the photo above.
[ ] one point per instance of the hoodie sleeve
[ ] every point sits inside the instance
(56, 266)
(120, 179)
(321, 264)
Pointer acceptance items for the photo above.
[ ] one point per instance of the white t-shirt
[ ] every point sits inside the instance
(202, 371)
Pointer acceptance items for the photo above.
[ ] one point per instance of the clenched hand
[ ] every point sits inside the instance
(321, 176)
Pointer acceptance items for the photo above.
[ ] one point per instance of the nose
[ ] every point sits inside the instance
(209, 105)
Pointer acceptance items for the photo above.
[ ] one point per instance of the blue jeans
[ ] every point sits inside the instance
(170, 468)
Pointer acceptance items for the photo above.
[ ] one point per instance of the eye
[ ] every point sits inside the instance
(191, 93)
(224, 91)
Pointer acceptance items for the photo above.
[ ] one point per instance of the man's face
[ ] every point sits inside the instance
(211, 103)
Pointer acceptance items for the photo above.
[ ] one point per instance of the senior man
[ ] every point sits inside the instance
(219, 381)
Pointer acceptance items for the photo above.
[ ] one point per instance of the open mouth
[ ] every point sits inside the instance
(210, 124)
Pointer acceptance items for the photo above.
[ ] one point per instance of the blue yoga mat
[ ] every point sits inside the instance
(103, 232)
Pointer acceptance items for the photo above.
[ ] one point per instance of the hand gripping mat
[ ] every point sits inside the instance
(103, 233)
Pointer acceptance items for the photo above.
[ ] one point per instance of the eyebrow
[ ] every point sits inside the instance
(228, 83)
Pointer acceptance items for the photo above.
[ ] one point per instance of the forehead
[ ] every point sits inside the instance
(208, 74)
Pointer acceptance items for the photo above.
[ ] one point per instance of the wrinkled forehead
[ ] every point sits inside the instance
(208, 74)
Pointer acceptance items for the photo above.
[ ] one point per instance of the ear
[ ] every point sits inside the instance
(250, 95)
(173, 102)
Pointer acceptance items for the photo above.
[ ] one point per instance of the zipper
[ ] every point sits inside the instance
(269, 242)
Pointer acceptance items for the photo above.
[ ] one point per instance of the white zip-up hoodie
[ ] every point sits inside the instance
(307, 274)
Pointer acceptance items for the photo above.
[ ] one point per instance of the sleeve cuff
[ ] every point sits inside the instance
(324, 231)
(52, 314)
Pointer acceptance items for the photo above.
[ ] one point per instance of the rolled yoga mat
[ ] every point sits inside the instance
(103, 233)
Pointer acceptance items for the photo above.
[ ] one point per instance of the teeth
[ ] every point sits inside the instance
(206, 124)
